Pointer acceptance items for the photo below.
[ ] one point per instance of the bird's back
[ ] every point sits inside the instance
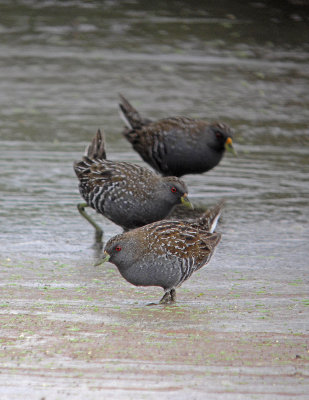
(173, 250)
(174, 146)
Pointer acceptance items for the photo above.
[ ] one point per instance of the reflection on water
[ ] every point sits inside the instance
(63, 66)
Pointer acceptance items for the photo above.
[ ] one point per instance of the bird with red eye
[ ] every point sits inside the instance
(165, 253)
(127, 194)
(176, 145)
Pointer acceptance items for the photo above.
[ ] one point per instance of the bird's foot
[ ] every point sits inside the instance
(169, 297)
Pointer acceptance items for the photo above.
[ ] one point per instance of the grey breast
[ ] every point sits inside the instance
(154, 270)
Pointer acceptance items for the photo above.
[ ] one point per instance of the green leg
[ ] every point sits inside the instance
(98, 230)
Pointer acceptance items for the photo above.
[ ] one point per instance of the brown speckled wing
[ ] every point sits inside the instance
(180, 239)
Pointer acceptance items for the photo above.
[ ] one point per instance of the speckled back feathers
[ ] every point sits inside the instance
(128, 194)
(175, 145)
(165, 253)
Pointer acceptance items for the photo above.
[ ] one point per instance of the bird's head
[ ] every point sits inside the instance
(177, 191)
(221, 137)
(122, 250)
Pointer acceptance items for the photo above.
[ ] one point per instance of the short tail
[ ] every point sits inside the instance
(95, 151)
(129, 114)
(210, 218)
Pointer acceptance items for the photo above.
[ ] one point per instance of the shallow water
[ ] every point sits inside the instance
(62, 68)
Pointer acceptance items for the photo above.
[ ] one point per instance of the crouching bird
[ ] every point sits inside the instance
(165, 253)
(129, 195)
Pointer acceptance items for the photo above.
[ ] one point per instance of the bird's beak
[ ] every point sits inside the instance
(229, 146)
(104, 259)
(186, 202)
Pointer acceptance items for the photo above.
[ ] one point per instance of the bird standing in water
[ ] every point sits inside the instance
(176, 145)
(129, 195)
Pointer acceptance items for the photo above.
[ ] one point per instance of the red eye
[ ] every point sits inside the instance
(218, 135)
(173, 189)
(118, 248)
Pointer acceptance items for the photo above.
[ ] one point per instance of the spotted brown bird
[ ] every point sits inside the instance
(176, 145)
(129, 195)
(165, 253)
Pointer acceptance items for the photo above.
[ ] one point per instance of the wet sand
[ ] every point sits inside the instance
(72, 329)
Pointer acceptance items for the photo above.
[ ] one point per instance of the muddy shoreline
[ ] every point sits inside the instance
(70, 328)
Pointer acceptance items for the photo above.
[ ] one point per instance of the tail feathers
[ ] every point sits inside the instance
(96, 150)
(129, 114)
(211, 217)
